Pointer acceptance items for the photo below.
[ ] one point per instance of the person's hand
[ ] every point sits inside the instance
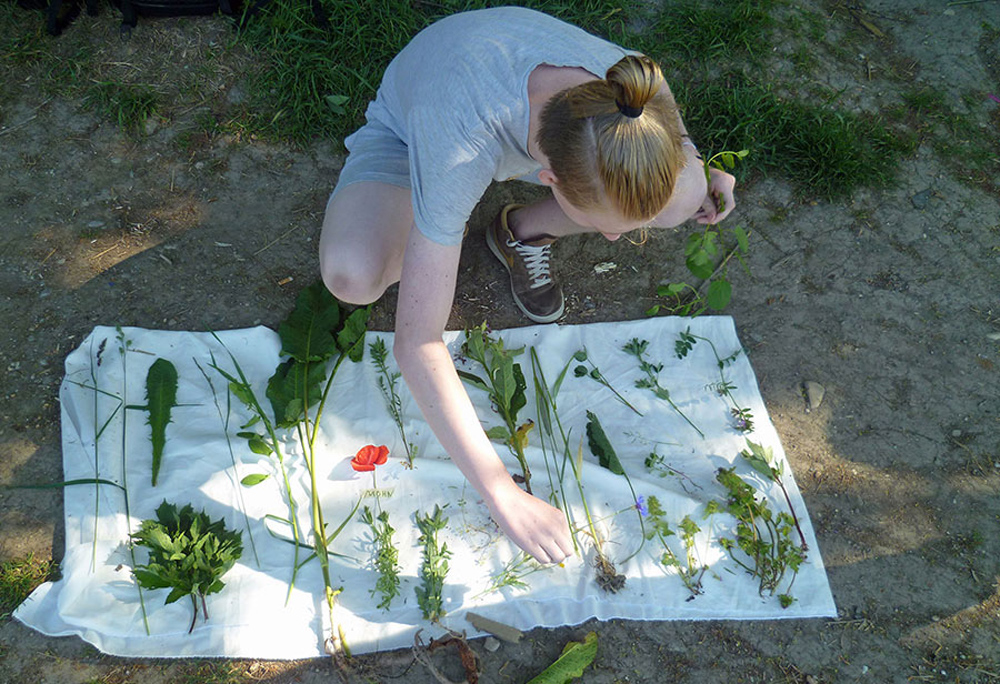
(719, 200)
(536, 527)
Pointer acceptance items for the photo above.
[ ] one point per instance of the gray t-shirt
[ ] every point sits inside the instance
(457, 96)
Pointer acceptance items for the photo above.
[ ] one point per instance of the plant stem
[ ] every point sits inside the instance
(123, 349)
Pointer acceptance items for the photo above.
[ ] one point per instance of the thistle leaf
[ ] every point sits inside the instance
(601, 447)
(161, 396)
(308, 332)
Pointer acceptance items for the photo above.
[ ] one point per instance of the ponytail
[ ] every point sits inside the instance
(620, 135)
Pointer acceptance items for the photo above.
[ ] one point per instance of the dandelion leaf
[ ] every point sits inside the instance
(161, 397)
(601, 447)
(308, 332)
(575, 658)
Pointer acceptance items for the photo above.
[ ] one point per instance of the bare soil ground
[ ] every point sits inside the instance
(889, 299)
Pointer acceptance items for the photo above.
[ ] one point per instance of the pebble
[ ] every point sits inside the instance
(814, 393)
(96, 224)
(922, 198)
(491, 644)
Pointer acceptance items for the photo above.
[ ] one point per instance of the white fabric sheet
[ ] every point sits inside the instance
(256, 615)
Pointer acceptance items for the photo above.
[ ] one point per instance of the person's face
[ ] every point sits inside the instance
(601, 220)
(684, 203)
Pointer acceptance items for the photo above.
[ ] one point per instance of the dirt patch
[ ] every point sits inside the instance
(888, 299)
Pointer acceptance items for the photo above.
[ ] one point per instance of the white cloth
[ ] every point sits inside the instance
(255, 615)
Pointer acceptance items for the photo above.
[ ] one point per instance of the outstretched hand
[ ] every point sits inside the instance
(719, 199)
(536, 527)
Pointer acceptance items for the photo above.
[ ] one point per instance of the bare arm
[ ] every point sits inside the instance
(426, 291)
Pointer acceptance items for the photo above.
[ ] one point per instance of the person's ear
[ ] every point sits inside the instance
(547, 177)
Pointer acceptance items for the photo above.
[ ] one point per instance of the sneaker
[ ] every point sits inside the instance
(535, 293)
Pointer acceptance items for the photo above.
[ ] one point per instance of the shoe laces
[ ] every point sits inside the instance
(536, 260)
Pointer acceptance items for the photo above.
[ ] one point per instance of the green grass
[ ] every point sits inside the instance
(706, 32)
(306, 84)
(303, 66)
(826, 153)
(18, 578)
(129, 106)
(971, 150)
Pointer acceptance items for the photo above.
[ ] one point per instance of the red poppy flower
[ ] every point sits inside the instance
(368, 457)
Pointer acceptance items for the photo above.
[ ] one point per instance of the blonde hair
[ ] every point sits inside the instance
(620, 135)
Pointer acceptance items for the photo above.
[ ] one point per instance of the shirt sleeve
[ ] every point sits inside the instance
(452, 162)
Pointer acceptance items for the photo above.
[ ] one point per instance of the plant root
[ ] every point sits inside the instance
(608, 578)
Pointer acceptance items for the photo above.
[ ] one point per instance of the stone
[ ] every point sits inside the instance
(813, 393)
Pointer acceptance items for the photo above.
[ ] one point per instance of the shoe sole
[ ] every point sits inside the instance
(495, 248)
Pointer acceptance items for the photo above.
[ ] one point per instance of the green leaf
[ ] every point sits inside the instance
(307, 333)
(499, 433)
(242, 392)
(601, 447)
(176, 594)
(575, 658)
(254, 479)
(741, 239)
(161, 396)
(336, 103)
(760, 457)
(294, 386)
(518, 400)
(257, 444)
(148, 579)
(351, 339)
(719, 293)
(474, 380)
(700, 265)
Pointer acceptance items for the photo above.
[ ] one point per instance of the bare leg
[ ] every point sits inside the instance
(364, 236)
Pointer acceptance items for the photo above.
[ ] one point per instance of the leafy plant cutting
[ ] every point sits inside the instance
(505, 384)
(188, 554)
(700, 251)
(691, 570)
(314, 335)
(637, 348)
(600, 446)
(434, 567)
(742, 416)
(762, 460)
(388, 382)
(595, 374)
(763, 538)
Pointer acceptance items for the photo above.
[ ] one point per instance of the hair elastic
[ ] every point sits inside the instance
(631, 112)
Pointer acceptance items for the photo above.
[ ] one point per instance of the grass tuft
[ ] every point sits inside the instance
(702, 31)
(825, 152)
(129, 106)
(18, 578)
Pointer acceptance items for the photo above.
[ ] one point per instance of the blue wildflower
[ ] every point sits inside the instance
(640, 505)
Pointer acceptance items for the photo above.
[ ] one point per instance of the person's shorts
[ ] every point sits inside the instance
(375, 153)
